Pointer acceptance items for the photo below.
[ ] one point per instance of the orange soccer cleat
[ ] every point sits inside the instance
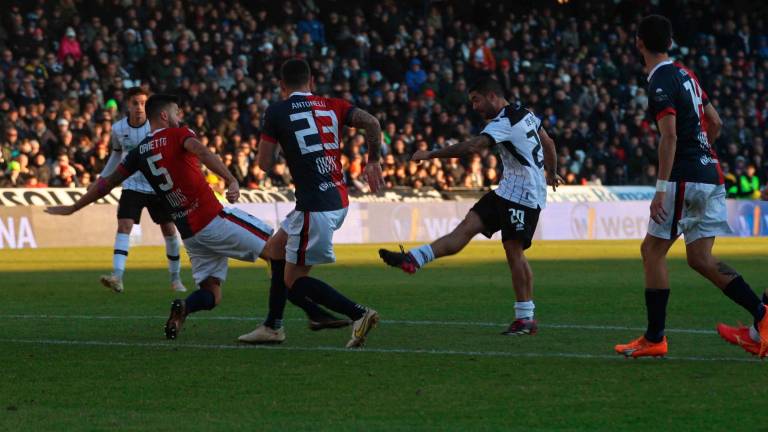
(739, 336)
(641, 347)
(762, 328)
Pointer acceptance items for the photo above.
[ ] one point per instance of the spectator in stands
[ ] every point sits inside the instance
(64, 174)
(407, 64)
(69, 46)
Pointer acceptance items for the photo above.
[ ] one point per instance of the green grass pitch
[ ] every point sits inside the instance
(77, 357)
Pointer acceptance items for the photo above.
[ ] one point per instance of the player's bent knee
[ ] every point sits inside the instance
(648, 251)
(168, 229)
(699, 263)
(213, 285)
(124, 226)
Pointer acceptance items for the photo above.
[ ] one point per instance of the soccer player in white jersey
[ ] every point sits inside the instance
(526, 151)
(137, 194)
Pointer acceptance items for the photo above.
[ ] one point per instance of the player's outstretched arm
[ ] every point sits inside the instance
(114, 160)
(667, 148)
(714, 124)
(103, 186)
(213, 163)
(550, 159)
(472, 145)
(361, 119)
(115, 156)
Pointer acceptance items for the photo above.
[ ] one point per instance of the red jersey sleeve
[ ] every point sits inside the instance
(181, 134)
(343, 109)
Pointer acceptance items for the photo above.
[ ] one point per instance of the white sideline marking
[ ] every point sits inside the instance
(174, 345)
(404, 322)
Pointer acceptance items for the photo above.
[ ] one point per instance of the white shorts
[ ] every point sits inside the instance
(696, 210)
(310, 236)
(232, 234)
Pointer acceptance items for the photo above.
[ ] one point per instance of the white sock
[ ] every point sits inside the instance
(122, 244)
(754, 334)
(524, 310)
(423, 254)
(174, 259)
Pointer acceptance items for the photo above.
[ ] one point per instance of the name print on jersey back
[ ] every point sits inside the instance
(308, 129)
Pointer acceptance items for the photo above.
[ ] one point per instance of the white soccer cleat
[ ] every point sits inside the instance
(361, 327)
(263, 335)
(178, 286)
(112, 282)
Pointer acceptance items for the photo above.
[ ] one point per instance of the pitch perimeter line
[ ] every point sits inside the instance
(402, 322)
(173, 345)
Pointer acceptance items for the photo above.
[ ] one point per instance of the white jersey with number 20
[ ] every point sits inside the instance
(515, 132)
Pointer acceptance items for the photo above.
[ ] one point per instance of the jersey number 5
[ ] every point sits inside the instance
(160, 171)
(311, 130)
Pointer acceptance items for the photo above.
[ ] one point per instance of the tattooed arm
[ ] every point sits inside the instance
(361, 119)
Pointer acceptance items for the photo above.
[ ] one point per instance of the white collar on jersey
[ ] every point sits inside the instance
(664, 63)
(300, 94)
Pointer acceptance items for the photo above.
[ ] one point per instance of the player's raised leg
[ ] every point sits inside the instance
(733, 285)
(114, 281)
(450, 244)
(653, 342)
(522, 283)
(310, 242)
(301, 285)
(271, 329)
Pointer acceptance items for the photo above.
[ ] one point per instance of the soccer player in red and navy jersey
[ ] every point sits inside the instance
(308, 130)
(690, 197)
(170, 160)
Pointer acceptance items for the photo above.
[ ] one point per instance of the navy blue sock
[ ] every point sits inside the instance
(656, 307)
(740, 292)
(299, 299)
(199, 300)
(765, 298)
(277, 296)
(321, 292)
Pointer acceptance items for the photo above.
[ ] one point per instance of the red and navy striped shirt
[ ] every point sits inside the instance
(308, 128)
(675, 90)
(175, 175)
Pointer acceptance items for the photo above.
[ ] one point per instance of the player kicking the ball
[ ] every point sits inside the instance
(137, 194)
(308, 129)
(689, 200)
(526, 150)
(170, 159)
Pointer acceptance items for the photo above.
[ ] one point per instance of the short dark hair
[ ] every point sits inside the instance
(295, 72)
(159, 102)
(135, 91)
(656, 33)
(486, 86)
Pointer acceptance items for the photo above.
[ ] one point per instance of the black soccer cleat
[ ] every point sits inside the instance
(402, 260)
(328, 321)
(175, 320)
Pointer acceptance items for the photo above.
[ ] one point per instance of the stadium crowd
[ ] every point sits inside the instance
(64, 69)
